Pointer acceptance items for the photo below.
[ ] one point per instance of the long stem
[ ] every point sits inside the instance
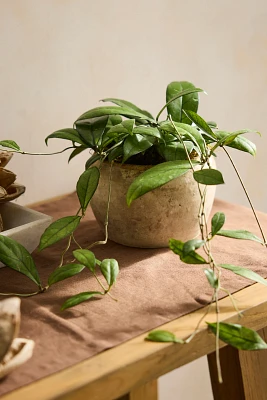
(40, 154)
(65, 251)
(247, 195)
(100, 242)
(199, 322)
(217, 339)
(25, 294)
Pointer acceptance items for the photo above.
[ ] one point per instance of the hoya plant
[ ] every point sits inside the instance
(174, 142)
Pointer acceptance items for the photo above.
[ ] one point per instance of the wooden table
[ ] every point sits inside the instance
(130, 371)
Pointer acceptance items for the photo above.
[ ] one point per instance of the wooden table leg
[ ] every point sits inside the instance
(149, 391)
(244, 373)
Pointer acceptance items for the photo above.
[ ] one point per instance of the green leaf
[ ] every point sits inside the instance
(79, 298)
(58, 230)
(186, 102)
(175, 107)
(135, 144)
(64, 272)
(208, 176)
(176, 96)
(92, 131)
(77, 151)
(191, 258)
(212, 124)
(66, 134)
(114, 120)
(200, 122)
(238, 336)
(147, 130)
(212, 279)
(115, 153)
(131, 106)
(155, 177)
(217, 222)
(246, 273)
(192, 245)
(125, 127)
(175, 150)
(185, 131)
(101, 111)
(240, 234)
(85, 257)
(240, 143)
(110, 270)
(15, 256)
(163, 336)
(92, 160)
(87, 185)
(10, 144)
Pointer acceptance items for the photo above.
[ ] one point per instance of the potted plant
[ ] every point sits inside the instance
(136, 159)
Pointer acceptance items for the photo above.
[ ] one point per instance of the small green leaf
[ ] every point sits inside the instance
(135, 144)
(147, 130)
(155, 177)
(200, 122)
(192, 258)
(87, 185)
(212, 124)
(85, 257)
(175, 150)
(192, 245)
(208, 176)
(131, 106)
(126, 127)
(238, 336)
(58, 230)
(15, 256)
(240, 143)
(246, 273)
(67, 134)
(163, 336)
(64, 272)
(92, 160)
(212, 279)
(10, 144)
(76, 151)
(186, 131)
(217, 222)
(240, 234)
(110, 270)
(92, 131)
(185, 102)
(79, 298)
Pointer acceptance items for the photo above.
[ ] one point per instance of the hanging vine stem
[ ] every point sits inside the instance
(65, 251)
(204, 233)
(100, 242)
(247, 195)
(40, 154)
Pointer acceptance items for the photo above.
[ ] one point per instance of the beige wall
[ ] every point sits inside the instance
(59, 57)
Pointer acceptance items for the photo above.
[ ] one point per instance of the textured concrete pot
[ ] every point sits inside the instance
(170, 211)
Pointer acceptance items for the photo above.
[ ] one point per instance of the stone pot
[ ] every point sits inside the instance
(170, 211)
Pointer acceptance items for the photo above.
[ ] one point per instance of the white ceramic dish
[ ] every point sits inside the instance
(23, 225)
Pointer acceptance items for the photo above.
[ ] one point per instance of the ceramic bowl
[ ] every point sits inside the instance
(23, 225)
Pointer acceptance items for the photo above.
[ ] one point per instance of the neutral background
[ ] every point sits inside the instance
(59, 57)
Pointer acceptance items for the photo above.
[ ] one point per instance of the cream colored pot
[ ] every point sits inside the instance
(170, 211)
